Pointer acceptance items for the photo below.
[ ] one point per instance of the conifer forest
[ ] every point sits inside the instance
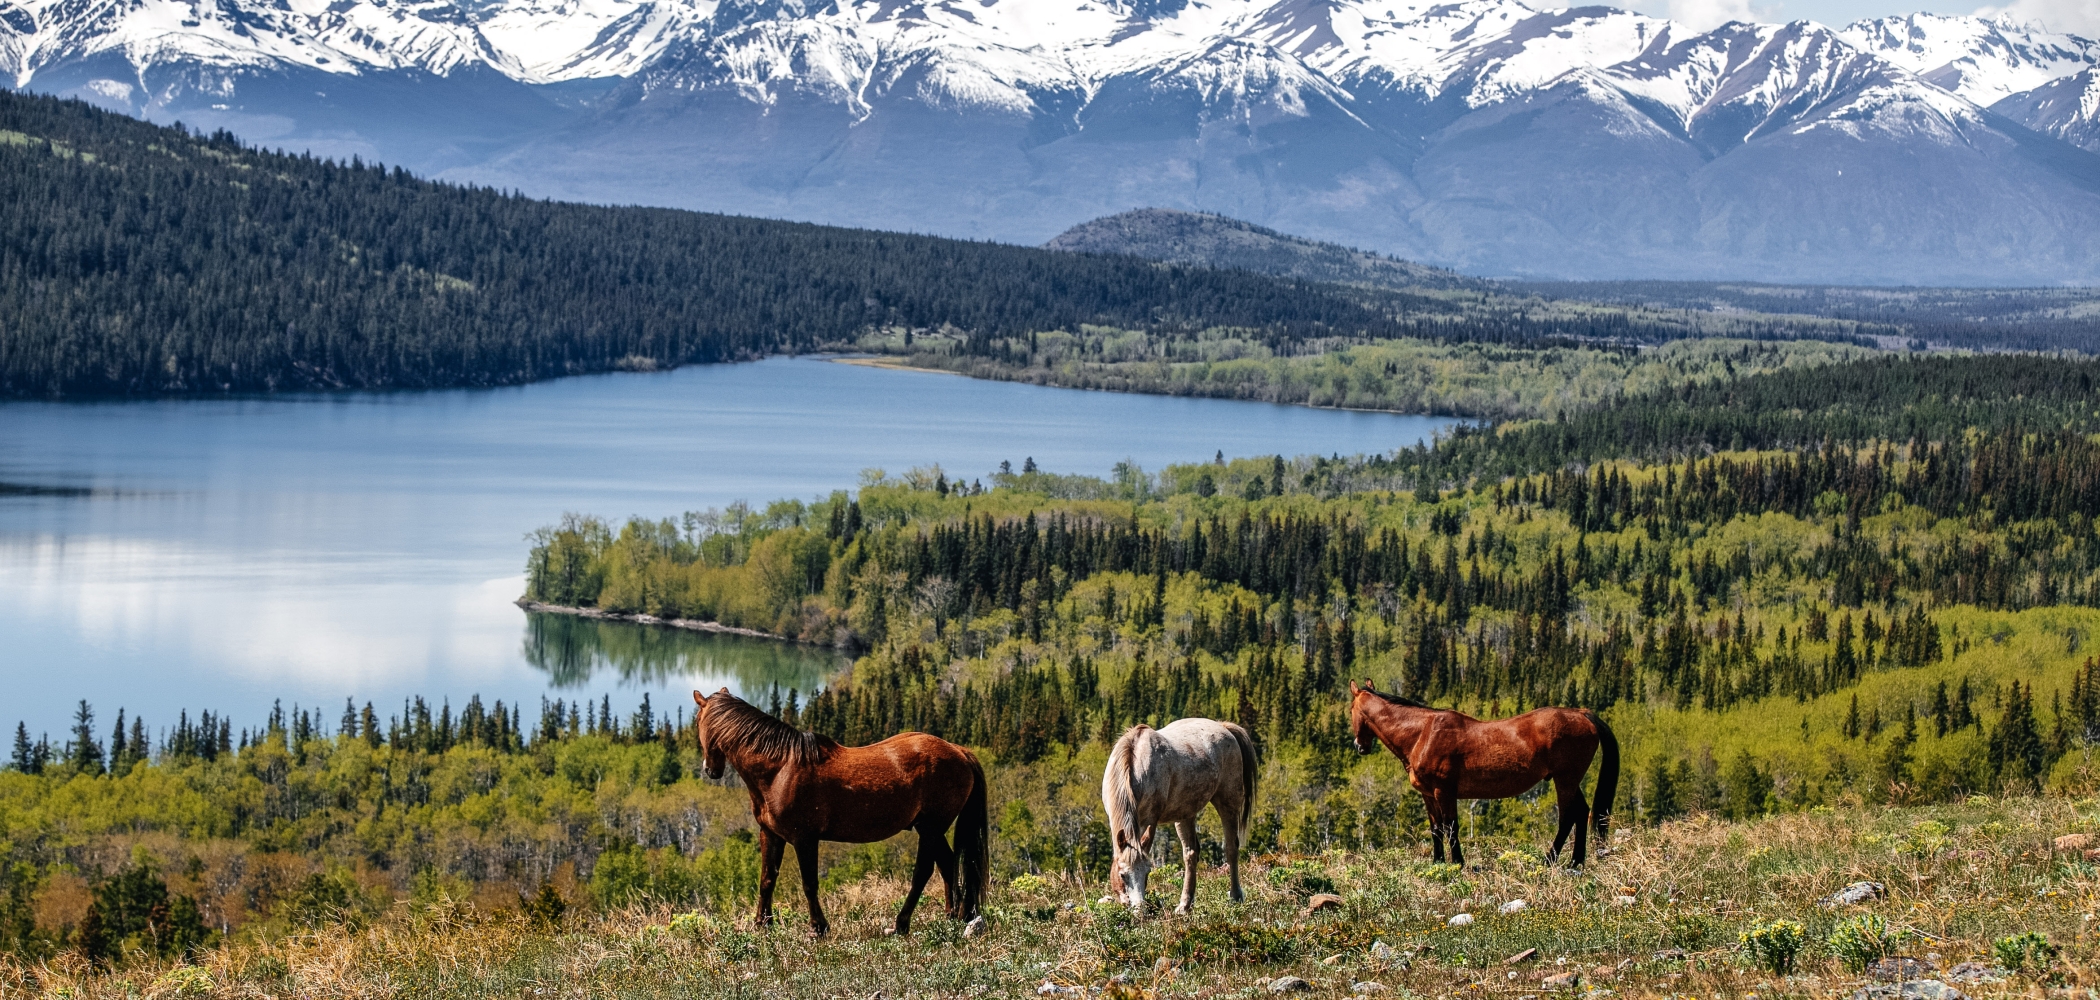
(1838, 595)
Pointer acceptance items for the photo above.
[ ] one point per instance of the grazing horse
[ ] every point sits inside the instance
(1168, 775)
(1450, 756)
(807, 788)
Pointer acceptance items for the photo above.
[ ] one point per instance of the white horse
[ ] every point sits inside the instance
(1167, 776)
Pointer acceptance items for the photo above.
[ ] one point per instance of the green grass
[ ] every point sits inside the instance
(1959, 878)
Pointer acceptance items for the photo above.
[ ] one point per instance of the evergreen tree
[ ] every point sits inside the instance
(84, 754)
(24, 757)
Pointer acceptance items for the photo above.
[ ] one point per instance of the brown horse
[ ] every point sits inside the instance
(1450, 756)
(806, 788)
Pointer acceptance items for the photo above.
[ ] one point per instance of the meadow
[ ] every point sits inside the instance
(1661, 916)
(1838, 615)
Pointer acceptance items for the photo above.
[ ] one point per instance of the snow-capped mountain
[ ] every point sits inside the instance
(1483, 134)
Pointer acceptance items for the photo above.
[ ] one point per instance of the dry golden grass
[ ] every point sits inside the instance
(1965, 875)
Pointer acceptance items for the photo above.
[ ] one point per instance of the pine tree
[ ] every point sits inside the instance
(84, 753)
(24, 758)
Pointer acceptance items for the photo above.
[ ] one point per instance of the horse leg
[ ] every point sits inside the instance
(1433, 802)
(769, 850)
(944, 858)
(1232, 851)
(1581, 812)
(1444, 812)
(1186, 830)
(921, 870)
(806, 854)
(1566, 811)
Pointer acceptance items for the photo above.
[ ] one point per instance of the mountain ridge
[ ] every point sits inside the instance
(1483, 135)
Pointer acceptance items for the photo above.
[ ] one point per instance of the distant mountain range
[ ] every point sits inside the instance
(1483, 135)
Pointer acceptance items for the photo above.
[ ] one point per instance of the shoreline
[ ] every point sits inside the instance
(689, 624)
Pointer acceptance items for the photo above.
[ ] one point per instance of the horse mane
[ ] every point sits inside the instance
(734, 720)
(1400, 699)
(1119, 792)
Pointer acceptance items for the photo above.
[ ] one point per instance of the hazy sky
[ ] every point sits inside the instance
(2077, 16)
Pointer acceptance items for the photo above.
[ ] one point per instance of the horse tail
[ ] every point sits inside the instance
(1607, 780)
(973, 839)
(1250, 778)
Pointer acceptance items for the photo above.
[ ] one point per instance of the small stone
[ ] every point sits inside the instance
(1366, 987)
(1523, 956)
(1461, 920)
(1162, 966)
(1897, 968)
(1382, 952)
(2074, 842)
(1916, 989)
(1515, 906)
(1048, 989)
(1854, 894)
(1322, 901)
(976, 927)
(1624, 900)
(1670, 955)
(1977, 972)
(2092, 854)
(1562, 981)
(1106, 900)
(1288, 984)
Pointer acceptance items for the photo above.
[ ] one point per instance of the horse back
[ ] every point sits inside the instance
(870, 793)
(1177, 770)
(1519, 751)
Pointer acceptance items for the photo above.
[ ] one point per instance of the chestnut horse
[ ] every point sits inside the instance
(806, 788)
(1450, 756)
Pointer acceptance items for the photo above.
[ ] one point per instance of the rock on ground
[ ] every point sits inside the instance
(1916, 989)
(1854, 894)
(1288, 984)
(1323, 901)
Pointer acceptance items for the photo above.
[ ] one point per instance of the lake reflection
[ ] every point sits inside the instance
(227, 553)
(576, 652)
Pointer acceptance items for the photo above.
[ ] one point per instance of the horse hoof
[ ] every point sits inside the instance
(895, 931)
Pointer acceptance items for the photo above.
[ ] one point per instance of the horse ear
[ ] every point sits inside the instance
(699, 699)
(1122, 839)
(1370, 685)
(1353, 689)
(1145, 839)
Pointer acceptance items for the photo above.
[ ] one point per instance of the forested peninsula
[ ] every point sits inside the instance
(140, 259)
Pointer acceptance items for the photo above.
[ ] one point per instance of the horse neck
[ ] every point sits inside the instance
(756, 768)
(1399, 724)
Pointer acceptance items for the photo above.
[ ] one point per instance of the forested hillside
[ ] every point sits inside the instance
(138, 259)
(1866, 583)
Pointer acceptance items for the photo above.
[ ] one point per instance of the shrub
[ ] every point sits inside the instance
(1251, 944)
(1773, 945)
(544, 908)
(1301, 878)
(2018, 951)
(1029, 884)
(1687, 930)
(1863, 940)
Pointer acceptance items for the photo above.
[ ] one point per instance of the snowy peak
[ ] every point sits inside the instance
(1982, 59)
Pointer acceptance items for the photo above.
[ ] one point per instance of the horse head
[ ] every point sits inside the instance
(711, 757)
(1133, 863)
(1364, 734)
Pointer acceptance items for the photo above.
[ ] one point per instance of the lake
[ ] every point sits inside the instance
(223, 554)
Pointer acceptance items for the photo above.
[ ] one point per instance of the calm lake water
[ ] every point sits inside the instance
(222, 554)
